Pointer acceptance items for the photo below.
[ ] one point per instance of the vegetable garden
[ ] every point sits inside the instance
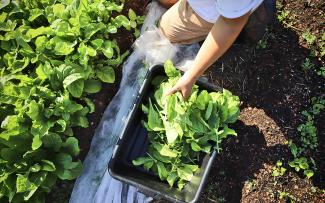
(53, 54)
(61, 64)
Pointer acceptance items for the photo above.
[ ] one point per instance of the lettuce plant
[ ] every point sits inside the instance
(181, 131)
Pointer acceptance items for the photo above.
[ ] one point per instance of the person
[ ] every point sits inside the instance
(217, 22)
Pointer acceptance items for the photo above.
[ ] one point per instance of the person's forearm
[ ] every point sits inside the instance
(221, 37)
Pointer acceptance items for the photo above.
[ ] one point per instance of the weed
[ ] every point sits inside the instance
(278, 170)
(286, 196)
(308, 133)
(321, 71)
(322, 45)
(251, 185)
(313, 189)
(301, 164)
(307, 65)
(308, 138)
(309, 37)
(212, 189)
(318, 104)
(261, 44)
(283, 15)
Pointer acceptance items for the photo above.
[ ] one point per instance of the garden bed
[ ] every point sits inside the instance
(274, 90)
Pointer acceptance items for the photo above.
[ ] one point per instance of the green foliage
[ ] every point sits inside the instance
(322, 45)
(52, 54)
(301, 164)
(308, 131)
(307, 65)
(278, 170)
(286, 196)
(179, 131)
(321, 71)
(308, 138)
(262, 44)
(308, 134)
(283, 16)
(308, 37)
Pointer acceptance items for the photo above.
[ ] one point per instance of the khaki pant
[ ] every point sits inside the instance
(180, 24)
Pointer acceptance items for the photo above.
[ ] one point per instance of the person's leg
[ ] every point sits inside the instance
(180, 24)
(167, 3)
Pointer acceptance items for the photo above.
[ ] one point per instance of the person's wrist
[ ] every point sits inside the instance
(190, 77)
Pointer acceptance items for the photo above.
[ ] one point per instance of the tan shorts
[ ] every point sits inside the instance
(180, 24)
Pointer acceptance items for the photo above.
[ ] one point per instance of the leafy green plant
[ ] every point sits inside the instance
(308, 131)
(307, 65)
(179, 131)
(278, 170)
(322, 45)
(286, 196)
(308, 134)
(308, 138)
(251, 185)
(321, 71)
(134, 21)
(308, 37)
(301, 164)
(52, 54)
(318, 105)
(283, 16)
(212, 191)
(262, 44)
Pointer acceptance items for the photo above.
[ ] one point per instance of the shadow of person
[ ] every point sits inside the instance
(240, 159)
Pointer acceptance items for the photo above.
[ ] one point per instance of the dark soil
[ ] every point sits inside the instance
(274, 90)
(306, 16)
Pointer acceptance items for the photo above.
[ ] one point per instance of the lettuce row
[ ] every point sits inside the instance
(53, 53)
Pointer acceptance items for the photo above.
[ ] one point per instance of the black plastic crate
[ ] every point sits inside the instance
(133, 143)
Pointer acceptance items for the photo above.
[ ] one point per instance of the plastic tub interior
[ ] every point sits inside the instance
(133, 143)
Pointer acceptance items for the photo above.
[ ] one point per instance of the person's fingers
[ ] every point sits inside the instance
(171, 91)
(185, 94)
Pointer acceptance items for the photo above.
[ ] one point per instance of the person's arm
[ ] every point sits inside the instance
(221, 37)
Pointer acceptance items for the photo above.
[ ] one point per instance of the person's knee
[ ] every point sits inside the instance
(167, 3)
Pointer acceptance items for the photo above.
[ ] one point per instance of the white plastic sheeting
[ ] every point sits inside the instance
(95, 184)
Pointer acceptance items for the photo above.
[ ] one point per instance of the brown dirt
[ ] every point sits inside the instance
(274, 90)
(306, 16)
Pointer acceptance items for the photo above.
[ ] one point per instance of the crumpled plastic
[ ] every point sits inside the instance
(95, 183)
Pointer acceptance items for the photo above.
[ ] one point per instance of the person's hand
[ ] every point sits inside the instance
(183, 85)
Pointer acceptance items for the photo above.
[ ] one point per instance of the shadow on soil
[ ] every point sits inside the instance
(270, 79)
(242, 157)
